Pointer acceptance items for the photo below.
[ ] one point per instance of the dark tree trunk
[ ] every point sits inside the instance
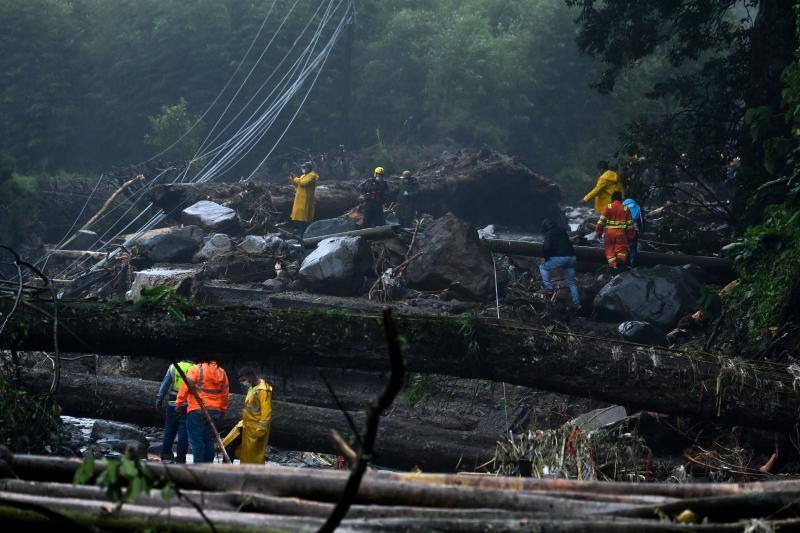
(700, 385)
(401, 443)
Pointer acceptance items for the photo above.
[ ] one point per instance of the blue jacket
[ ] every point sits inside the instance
(636, 213)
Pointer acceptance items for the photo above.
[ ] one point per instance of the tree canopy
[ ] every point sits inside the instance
(81, 78)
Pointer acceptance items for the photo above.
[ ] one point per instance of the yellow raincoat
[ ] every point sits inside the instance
(607, 184)
(256, 422)
(303, 209)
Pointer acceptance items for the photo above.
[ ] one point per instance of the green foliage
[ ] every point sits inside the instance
(124, 479)
(417, 389)
(166, 298)
(768, 259)
(82, 74)
(720, 83)
(175, 133)
(30, 423)
(468, 328)
(18, 204)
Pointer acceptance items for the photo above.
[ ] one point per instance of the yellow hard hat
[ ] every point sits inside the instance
(379, 171)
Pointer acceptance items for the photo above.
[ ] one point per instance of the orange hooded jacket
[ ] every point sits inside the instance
(212, 385)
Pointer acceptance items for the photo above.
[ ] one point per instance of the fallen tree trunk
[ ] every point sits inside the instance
(713, 265)
(683, 383)
(401, 443)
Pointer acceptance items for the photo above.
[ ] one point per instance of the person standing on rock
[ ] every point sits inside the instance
(607, 184)
(407, 199)
(304, 207)
(256, 417)
(638, 226)
(175, 422)
(374, 190)
(618, 224)
(211, 384)
(558, 254)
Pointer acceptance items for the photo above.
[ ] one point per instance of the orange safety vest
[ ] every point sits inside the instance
(211, 383)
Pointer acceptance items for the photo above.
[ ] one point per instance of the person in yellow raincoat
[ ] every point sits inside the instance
(304, 209)
(607, 184)
(256, 417)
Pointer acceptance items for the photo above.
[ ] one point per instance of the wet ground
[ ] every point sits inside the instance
(80, 430)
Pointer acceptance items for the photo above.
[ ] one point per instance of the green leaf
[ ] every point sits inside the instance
(128, 468)
(168, 492)
(85, 472)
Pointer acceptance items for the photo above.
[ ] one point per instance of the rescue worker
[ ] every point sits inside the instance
(618, 224)
(407, 199)
(304, 207)
(638, 227)
(374, 191)
(558, 253)
(607, 184)
(211, 384)
(256, 417)
(175, 423)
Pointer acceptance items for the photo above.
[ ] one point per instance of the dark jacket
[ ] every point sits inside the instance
(556, 241)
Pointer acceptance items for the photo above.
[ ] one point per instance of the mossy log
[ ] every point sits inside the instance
(401, 443)
(703, 386)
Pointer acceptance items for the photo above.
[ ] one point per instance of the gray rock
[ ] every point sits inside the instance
(171, 245)
(215, 245)
(209, 215)
(329, 226)
(115, 448)
(253, 244)
(274, 285)
(240, 267)
(337, 266)
(296, 285)
(107, 430)
(660, 295)
(180, 278)
(642, 332)
(454, 258)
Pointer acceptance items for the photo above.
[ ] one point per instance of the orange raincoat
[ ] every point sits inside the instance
(618, 224)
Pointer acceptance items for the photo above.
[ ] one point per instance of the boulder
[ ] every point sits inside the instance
(275, 285)
(239, 267)
(454, 258)
(114, 438)
(337, 266)
(253, 244)
(660, 295)
(217, 244)
(180, 278)
(642, 332)
(329, 226)
(209, 215)
(171, 245)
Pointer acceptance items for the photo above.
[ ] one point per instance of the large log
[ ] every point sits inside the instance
(713, 265)
(687, 383)
(401, 443)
